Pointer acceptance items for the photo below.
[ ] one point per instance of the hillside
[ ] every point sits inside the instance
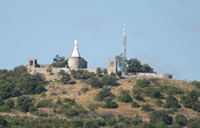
(76, 94)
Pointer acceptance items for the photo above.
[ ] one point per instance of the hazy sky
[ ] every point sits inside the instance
(163, 33)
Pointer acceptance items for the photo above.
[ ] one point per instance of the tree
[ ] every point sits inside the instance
(146, 68)
(99, 71)
(59, 61)
(3, 122)
(135, 104)
(147, 108)
(134, 65)
(119, 74)
(105, 71)
(105, 92)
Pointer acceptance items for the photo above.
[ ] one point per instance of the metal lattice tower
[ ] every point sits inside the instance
(124, 61)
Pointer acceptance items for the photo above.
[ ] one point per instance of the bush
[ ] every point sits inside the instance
(196, 83)
(53, 94)
(23, 103)
(196, 106)
(81, 74)
(160, 116)
(111, 122)
(171, 90)
(109, 80)
(125, 98)
(119, 74)
(42, 113)
(152, 92)
(43, 94)
(65, 78)
(44, 103)
(147, 108)
(105, 71)
(190, 99)
(71, 112)
(135, 104)
(137, 91)
(59, 102)
(84, 90)
(171, 102)
(142, 83)
(10, 103)
(3, 122)
(181, 120)
(95, 83)
(70, 101)
(111, 104)
(92, 107)
(105, 92)
(90, 124)
(5, 108)
(139, 98)
(158, 102)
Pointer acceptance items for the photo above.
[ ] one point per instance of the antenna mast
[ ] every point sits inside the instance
(124, 62)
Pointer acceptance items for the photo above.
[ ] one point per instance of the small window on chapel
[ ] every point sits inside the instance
(111, 64)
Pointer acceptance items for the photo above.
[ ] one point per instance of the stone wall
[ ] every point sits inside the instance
(154, 75)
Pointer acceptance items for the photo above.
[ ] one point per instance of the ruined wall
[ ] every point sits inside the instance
(154, 75)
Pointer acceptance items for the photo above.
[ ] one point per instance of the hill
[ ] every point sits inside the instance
(85, 99)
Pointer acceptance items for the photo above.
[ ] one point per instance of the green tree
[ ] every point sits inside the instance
(146, 68)
(99, 71)
(105, 92)
(171, 102)
(134, 65)
(49, 69)
(59, 61)
(105, 71)
(119, 74)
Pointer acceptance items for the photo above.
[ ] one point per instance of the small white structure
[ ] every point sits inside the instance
(76, 61)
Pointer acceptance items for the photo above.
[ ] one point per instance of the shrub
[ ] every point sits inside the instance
(142, 83)
(44, 103)
(71, 112)
(147, 108)
(105, 71)
(5, 108)
(10, 103)
(70, 101)
(171, 102)
(92, 107)
(152, 92)
(3, 122)
(196, 83)
(84, 90)
(148, 125)
(43, 94)
(65, 78)
(137, 91)
(158, 102)
(171, 90)
(105, 92)
(55, 94)
(108, 99)
(109, 80)
(125, 98)
(139, 98)
(111, 104)
(181, 120)
(160, 116)
(23, 103)
(94, 82)
(59, 102)
(90, 124)
(135, 104)
(196, 106)
(42, 113)
(119, 74)
(111, 122)
(190, 99)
